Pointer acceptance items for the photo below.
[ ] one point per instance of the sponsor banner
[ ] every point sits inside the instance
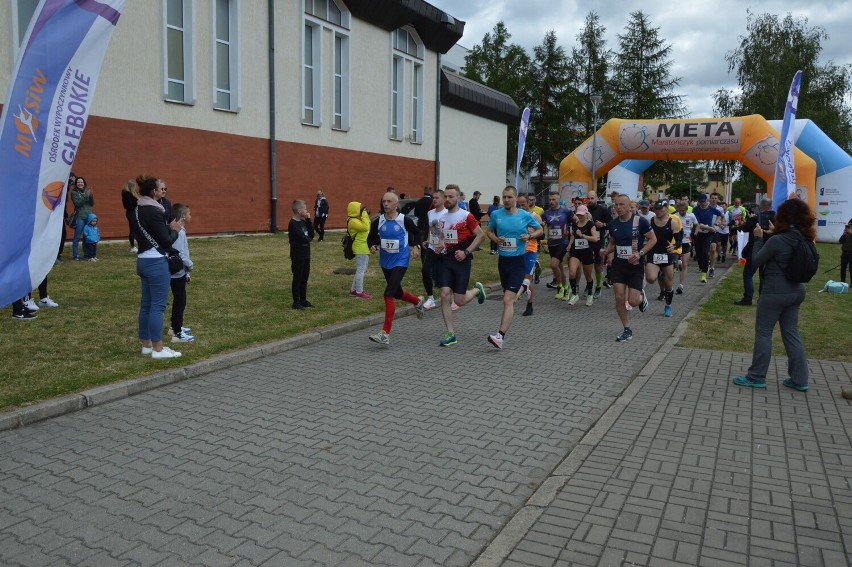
(45, 113)
(834, 204)
(522, 142)
(681, 137)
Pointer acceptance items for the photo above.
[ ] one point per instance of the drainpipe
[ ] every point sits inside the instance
(273, 171)
(438, 128)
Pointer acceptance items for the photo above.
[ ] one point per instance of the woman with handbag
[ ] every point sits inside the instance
(155, 240)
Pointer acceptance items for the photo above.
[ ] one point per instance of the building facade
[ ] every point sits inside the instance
(243, 106)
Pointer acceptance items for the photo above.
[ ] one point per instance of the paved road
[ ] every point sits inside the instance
(344, 452)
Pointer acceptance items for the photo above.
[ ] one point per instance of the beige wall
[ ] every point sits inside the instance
(473, 153)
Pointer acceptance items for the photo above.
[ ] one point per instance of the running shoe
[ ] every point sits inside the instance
(363, 295)
(381, 337)
(47, 302)
(560, 293)
(552, 284)
(496, 340)
(627, 306)
(625, 336)
(353, 293)
(528, 311)
(644, 305)
(419, 309)
(662, 296)
(430, 303)
(744, 381)
(711, 273)
(668, 311)
(790, 384)
(702, 277)
(607, 284)
(449, 340)
(573, 299)
(183, 338)
(30, 303)
(481, 293)
(597, 294)
(24, 315)
(589, 300)
(679, 289)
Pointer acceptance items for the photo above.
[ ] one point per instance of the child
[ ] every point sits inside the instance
(301, 232)
(180, 334)
(91, 237)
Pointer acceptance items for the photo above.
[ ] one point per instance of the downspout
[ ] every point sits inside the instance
(438, 128)
(273, 171)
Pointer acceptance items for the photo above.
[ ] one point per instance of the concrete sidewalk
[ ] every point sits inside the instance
(563, 448)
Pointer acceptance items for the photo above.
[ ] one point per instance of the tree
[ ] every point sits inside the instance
(642, 82)
(550, 134)
(507, 68)
(591, 61)
(765, 61)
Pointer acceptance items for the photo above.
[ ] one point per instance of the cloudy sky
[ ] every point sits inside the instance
(700, 32)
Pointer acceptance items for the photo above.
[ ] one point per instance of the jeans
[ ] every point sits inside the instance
(78, 232)
(780, 308)
(361, 261)
(155, 277)
(90, 249)
(748, 280)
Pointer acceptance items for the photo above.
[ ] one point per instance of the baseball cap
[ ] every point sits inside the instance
(662, 203)
(702, 197)
(582, 210)
(644, 203)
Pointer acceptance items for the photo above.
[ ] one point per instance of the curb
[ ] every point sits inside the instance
(516, 529)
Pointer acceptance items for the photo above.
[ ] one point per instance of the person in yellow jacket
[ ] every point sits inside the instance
(358, 225)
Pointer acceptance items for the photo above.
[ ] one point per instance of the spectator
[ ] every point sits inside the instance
(301, 232)
(763, 220)
(180, 279)
(156, 237)
(780, 298)
(72, 181)
(846, 251)
(320, 215)
(421, 209)
(494, 206)
(83, 200)
(167, 205)
(474, 208)
(463, 201)
(129, 198)
(91, 237)
(358, 225)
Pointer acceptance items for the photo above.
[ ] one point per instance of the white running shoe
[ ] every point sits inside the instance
(590, 300)
(381, 337)
(47, 302)
(183, 337)
(430, 303)
(165, 353)
(146, 350)
(30, 304)
(496, 340)
(573, 299)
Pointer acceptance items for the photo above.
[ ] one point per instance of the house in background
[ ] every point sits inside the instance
(243, 106)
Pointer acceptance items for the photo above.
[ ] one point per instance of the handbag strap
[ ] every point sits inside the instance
(145, 232)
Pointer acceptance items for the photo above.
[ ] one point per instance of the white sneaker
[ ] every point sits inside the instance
(628, 306)
(381, 337)
(134, 250)
(183, 337)
(454, 307)
(430, 304)
(496, 340)
(30, 304)
(590, 300)
(146, 350)
(165, 353)
(47, 302)
(186, 330)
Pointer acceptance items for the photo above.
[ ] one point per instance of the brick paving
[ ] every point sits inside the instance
(343, 452)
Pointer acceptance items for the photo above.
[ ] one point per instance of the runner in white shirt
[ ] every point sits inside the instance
(689, 223)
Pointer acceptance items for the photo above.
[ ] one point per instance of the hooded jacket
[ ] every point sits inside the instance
(358, 225)
(91, 234)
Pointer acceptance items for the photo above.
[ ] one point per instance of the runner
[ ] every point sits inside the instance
(557, 219)
(584, 237)
(530, 258)
(601, 217)
(630, 239)
(737, 215)
(508, 227)
(668, 233)
(390, 234)
(645, 210)
(721, 229)
(537, 213)
(704, 233)
(431, 269)
(461, 236)
(689, 222)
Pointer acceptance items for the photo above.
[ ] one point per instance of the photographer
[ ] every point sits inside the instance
(846, 251)
(763, 219)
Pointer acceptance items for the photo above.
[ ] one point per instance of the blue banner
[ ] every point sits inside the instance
(45, 113)
(522, 142)
(784, 184)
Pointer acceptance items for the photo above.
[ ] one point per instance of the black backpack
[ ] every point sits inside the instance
(804, 262)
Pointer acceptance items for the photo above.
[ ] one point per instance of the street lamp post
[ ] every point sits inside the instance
(596, 100)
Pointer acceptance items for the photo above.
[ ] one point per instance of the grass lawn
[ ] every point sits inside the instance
(239, 296)
(824, 318)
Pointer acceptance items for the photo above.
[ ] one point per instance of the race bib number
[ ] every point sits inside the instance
(554, 233)
(434, 240)
(509, 244)
(624, 252)
(390, 246)
(661, 258)
(451, 236)
(581, 244)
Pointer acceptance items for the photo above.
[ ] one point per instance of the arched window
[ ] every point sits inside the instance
(407, 86)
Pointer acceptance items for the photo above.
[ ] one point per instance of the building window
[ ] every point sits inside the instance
(179, 53)
(408, 57)
(226, 92)
(22, 13)
(323, 17)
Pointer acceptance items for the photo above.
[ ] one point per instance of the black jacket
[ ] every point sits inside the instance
(153, 221)
(301, 233)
